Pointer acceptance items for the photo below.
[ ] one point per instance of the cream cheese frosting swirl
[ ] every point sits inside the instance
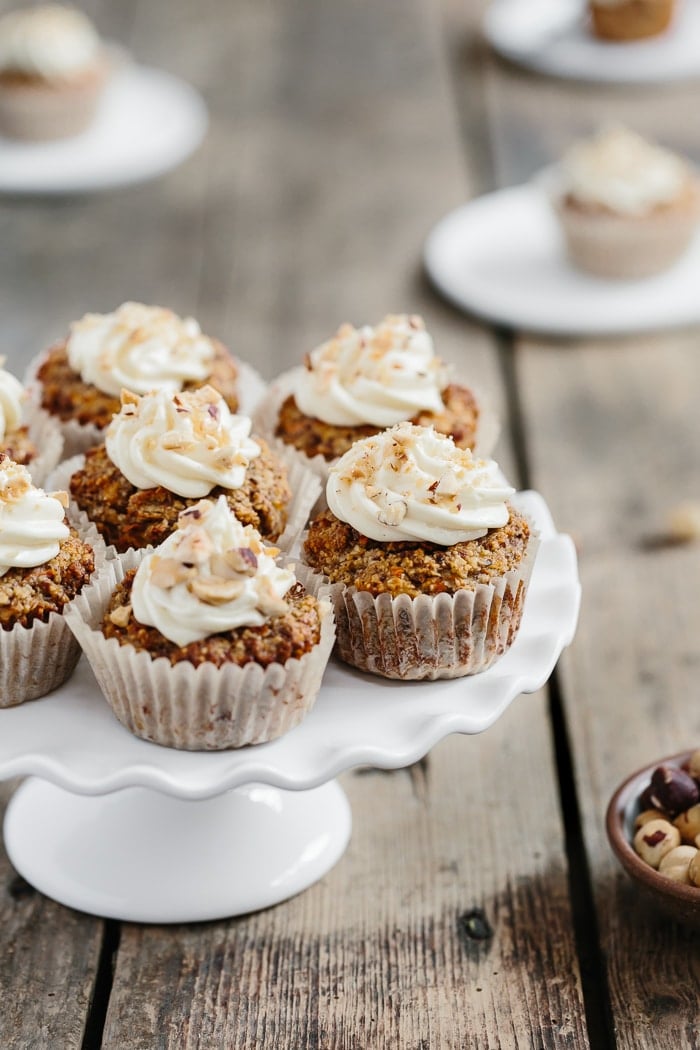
(620, 170)
(413, 484)
(12, 396)
(188, 442)
(212, 574)
(32, 523)
(139, 348)
(379, 375)
(48, 41)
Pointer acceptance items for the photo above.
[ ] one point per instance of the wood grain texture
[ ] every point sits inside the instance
(379, 954)
(48, 962)
(631, 677)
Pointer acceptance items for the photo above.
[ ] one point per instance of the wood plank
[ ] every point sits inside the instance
(48, 962)
(333, 150)
(612, 434)
(632, 672)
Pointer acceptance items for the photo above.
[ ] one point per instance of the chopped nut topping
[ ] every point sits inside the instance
(214, 590)
(168, 572)
(120, 616)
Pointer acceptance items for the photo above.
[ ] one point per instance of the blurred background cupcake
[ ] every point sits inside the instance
(623, 20)
(53, 69)
(628, 208)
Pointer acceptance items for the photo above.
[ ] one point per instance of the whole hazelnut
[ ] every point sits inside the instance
(675, 790)
(655, 839)
(650, 814)
(694, 870)
(674, 864)
(688, 823)
(694, 765)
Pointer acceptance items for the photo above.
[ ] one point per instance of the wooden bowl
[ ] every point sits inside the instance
(675, 899)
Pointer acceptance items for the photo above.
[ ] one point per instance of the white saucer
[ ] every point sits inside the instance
(551, 36)
(147, 124)
(502, 257)
(116, 826)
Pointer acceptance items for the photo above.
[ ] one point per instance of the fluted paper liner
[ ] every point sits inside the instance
(36, 660)
(266, 418)
(79, 437)
(304, 485)
(203, 708)
(441, 636)
(45, 433)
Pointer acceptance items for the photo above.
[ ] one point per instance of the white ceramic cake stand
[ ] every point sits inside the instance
(552, 37)
(118, 827)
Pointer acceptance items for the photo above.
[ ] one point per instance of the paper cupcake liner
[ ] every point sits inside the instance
(304, 485)
(202, 708)
(38, 659)
(79, 437)
(441, 636)
(267, 414)
(620, 247)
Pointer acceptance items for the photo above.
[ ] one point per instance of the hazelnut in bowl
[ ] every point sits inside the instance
(653, 826)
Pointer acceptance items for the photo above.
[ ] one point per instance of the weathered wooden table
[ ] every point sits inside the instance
(478, 904)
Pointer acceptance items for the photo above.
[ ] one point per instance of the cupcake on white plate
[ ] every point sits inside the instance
(138, 348)
(164, 452)
(365, 379)
(53, 69)
(44, 565)
(206, 642)
(27, 434)
(627, 208)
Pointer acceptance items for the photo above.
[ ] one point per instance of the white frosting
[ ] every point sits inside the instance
(12, 396)
(412, 483)
(139, 348)
(379, 375)
(211, 575)
(48, 41)
(620, 170)
(187, 442)
(31, 522)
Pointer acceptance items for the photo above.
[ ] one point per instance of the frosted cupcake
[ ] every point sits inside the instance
(628, 208)
(206, 643)
(43, 566)
(137, 348)
(163, 452)
(428, 561)
(53, 69)
(623, 20)
(27, 435)
(364, 380)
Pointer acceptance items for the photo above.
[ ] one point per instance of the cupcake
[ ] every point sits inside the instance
(44, 564)
(163, 452)
(137, 348)
(53, 69)
(362, 381)
(623, 20)
(428, 562)
(628, 208)
(27, 435)
(205, 643)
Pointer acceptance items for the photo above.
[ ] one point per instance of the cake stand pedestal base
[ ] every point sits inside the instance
(142, 856)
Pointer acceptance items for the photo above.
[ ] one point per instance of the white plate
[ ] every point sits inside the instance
(147, 124)
(192, 849)
(502, 257)
(551, 36)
